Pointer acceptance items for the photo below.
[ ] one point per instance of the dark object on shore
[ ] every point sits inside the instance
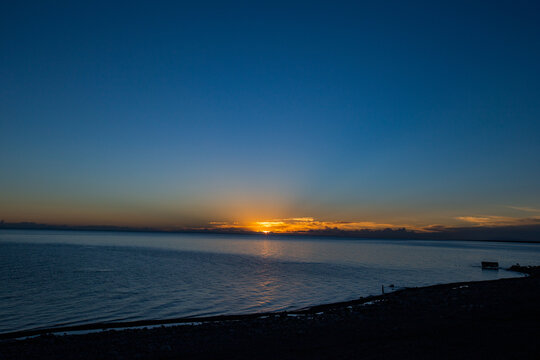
(490, 265)
(531, 270)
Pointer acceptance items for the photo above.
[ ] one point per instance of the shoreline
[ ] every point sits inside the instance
(499, 317)
(125, 325)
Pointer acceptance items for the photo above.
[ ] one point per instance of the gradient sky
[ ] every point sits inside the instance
(179, 114)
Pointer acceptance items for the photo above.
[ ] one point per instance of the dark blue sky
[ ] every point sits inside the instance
(171, 114)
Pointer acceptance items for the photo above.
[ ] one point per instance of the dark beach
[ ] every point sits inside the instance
(497, 319)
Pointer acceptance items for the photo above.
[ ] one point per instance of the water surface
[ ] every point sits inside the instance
(53, 278)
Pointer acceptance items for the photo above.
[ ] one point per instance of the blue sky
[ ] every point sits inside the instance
(174, 115)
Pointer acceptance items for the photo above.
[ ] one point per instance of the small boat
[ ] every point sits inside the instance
(490, 265)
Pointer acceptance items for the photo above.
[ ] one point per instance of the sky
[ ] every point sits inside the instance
(270, 116)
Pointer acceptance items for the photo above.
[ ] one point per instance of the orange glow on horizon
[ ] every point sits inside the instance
(303, 224)
(307, 224)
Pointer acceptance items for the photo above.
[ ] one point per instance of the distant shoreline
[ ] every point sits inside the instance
(374, 235)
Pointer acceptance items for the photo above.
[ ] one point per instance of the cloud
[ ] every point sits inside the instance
(490, 220)
(302, 225)
(525, 208)
(308, 219)
(475, 227)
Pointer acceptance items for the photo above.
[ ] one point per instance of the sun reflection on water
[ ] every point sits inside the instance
(269, 248)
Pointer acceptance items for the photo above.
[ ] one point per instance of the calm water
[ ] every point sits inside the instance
(50, 278)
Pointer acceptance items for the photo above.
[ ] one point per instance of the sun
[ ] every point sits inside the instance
(267, 227)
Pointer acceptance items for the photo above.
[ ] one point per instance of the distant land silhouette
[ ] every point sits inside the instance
(517, 233)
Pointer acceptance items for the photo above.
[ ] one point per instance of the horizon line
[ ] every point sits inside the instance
(510, 233)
